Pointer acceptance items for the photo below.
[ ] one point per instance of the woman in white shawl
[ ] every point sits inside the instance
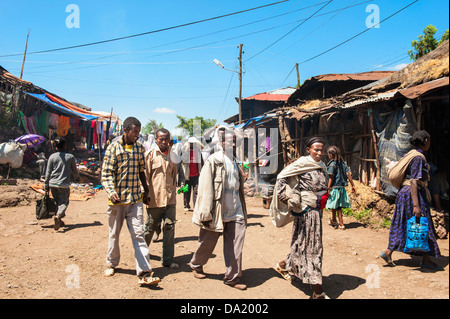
(301, 190)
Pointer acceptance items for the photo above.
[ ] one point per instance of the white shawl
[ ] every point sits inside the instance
(279, 211)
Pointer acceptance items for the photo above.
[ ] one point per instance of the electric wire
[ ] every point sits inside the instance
(286, 34)
(360, 33)
(153, 31)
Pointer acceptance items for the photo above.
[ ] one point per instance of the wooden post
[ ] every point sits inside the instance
(375, 147)
(99, 143)
(255, 150)
(282, 137)
(302, 132)
(24, 54)
(419, 114)
(240, 83)
(297, 153)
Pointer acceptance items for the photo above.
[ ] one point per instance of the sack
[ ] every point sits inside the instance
(397, 173)
(45, 206)
(417, 235)
(280, 213)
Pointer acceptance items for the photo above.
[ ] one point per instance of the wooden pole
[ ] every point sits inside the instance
(375, 147)
(298, 76)
(25, 53)
(255, 151)
(240, 83)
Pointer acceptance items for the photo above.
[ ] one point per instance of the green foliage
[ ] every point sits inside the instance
(426, 42)
(365, 216)
(151, 127)
(188, 123)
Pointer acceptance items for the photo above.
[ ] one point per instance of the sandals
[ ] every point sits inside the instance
(332, 223)
(387, 259)
(148, 280)
(109, 272)
(283, 272)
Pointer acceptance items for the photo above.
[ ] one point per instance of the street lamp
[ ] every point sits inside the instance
(240, 79)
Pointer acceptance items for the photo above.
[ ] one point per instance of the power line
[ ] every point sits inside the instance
(338, 45)
(287, 76)
(153, 31)
(285, 35)
(198, 46)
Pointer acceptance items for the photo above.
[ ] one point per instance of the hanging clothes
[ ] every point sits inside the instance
(31, 125)
(103, 135)
(53, 120)
(94, 133)
(22, 121)
(43, 122)
(63, 125)
(88, 129)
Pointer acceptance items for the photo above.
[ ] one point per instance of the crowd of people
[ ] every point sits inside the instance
(134, 175)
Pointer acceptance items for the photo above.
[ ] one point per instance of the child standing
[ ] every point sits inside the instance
(60, 166)
(338, 173)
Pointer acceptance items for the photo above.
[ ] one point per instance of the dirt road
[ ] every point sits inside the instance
(38, 262)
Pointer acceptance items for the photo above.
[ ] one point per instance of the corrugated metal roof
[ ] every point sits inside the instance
(376, 97)
(365, 76)
(409, 93)
(418, 90)
(274, 95)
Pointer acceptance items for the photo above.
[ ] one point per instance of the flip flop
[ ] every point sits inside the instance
(283, 272)
(332, 223)
(149, 280)
(387, 259)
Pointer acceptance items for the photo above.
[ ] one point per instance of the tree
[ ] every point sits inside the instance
(151, 127)
(426, 43)
(188, 123)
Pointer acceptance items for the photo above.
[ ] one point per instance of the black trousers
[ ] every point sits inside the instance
(193, 187)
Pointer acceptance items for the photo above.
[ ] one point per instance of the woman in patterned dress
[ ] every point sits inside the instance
(412, 200)
(305, 258)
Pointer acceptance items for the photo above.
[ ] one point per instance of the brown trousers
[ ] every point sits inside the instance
(233, 242)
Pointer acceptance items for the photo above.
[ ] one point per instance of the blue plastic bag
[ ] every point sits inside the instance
(417, 235)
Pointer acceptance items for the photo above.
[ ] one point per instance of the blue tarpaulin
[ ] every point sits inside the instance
(255, 120)
(60, 108)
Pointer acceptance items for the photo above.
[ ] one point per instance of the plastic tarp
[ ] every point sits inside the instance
(394, 129)
(257, 120)
(61, 108)
(72, 107)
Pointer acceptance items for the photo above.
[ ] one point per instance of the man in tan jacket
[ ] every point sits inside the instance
(161, 175)
(220, 210)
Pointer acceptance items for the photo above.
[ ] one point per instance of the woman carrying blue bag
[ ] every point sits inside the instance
(413, 201)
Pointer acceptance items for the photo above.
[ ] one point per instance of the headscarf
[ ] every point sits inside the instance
(315, 139)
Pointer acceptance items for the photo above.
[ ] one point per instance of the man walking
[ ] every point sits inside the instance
(221, 209)
(192, 165)
(122, 176)
(161, 173)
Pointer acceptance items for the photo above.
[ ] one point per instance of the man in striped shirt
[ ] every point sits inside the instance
(123, 172)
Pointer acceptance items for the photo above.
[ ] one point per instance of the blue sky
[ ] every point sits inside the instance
(168, 73)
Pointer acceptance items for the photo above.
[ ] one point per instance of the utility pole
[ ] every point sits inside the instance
(298, 76)
(25, 53)
(240, 83)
